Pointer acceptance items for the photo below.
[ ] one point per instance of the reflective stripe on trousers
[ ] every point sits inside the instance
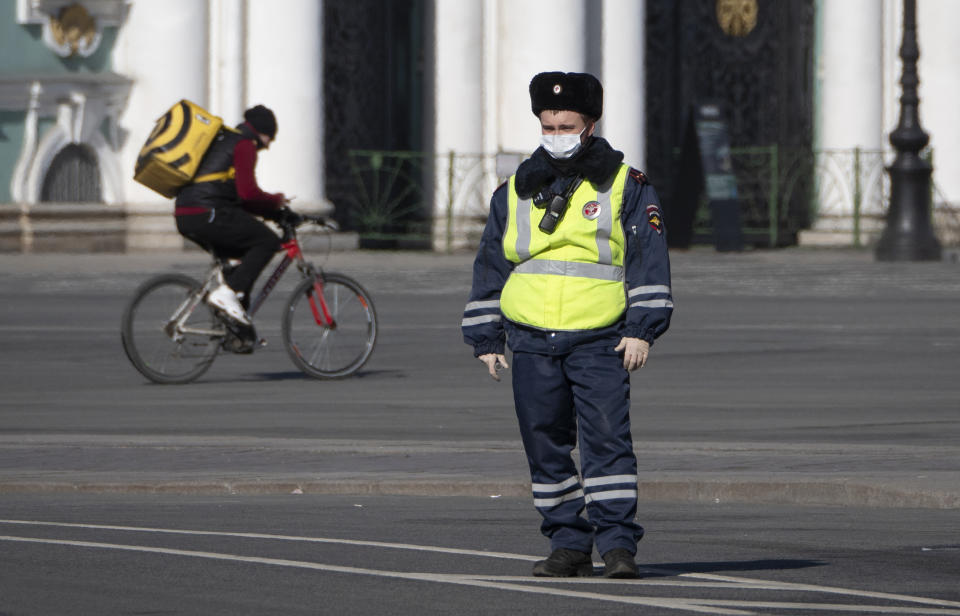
(553, 394)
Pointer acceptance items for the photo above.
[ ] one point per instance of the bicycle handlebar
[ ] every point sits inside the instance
(290, 220)
(322, 221)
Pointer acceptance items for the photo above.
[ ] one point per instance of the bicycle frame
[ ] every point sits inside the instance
(293, 253)
(176, 329)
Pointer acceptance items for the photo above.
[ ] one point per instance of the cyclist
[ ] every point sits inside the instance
(219, 210)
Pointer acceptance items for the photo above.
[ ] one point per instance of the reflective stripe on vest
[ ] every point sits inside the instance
(571, 268)
(573, 278)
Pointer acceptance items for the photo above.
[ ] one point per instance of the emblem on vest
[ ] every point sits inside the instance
(591, 210)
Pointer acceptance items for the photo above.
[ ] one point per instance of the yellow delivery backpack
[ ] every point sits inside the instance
(172, 153)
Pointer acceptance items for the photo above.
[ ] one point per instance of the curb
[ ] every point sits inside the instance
(694, 491)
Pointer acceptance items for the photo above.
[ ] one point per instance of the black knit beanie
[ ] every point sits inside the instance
(262, 120)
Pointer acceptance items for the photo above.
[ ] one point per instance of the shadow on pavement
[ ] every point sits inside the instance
(296, 375)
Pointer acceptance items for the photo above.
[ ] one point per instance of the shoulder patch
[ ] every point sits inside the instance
(638, 176)
(655, 218)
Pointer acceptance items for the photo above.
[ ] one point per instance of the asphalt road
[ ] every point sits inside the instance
(787, 376)
(797, 425)
(303, 554)
(772, 350)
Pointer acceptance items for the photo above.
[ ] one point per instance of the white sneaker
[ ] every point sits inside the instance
(225, 299)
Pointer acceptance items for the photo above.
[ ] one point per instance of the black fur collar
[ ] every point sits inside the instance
(596, 162)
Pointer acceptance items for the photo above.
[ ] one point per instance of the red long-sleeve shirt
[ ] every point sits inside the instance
(252, 197)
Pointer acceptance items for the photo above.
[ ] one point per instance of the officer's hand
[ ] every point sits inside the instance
(635, 352)
(494, 361)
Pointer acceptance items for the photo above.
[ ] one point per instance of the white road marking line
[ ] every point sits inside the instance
(741, 581)
(815, 588)
(748, 584)
(641, 581)
(376, 544)
(833, 607)
(670, 603)
(55, 328)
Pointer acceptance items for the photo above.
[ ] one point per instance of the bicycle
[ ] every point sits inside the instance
(329, 325)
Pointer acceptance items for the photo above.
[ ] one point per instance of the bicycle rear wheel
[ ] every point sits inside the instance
(168, 333)
(330, 352)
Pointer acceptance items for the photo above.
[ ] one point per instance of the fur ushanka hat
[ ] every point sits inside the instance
(580, 92)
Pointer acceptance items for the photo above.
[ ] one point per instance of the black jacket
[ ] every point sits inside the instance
(219, 158)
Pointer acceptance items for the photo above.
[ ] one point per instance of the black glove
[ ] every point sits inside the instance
(289, 217)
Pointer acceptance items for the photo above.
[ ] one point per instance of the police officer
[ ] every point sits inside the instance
(572, 271)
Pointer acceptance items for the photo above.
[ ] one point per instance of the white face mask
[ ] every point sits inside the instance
(561, 146)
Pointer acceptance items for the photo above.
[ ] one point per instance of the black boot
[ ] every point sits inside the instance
(564, 563)
(618, 563)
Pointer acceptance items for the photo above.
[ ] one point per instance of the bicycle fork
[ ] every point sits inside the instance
(321, 314)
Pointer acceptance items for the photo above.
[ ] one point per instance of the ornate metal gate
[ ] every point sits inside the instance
(755, 59)
(373, 89)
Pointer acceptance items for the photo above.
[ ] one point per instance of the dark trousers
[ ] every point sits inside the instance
(554, 394)
(233, 233)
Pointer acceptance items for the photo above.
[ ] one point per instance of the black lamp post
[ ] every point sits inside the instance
(908, 235)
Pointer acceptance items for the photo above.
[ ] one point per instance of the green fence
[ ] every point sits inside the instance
(784, 190)
(389, 195)
(419, 199)
(852, 183)
(761, 176)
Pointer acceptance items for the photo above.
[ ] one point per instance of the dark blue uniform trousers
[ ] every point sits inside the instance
(553, 393)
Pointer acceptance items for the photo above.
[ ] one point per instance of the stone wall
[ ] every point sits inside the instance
(97, 227)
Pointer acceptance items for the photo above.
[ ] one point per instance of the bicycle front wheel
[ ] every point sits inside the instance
(329, 352)
(168, 333)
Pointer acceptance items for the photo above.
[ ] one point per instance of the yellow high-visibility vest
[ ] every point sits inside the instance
(573, 278)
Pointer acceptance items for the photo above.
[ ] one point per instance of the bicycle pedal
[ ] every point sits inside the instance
(240, 346)
(241, 330)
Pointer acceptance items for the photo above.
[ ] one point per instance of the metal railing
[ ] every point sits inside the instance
(419, 196)
(441, 200)
(852, 183)
(764, 183)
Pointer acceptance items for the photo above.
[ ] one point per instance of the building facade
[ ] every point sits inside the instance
(401, 117)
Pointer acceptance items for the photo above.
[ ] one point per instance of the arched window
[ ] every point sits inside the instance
(74, 176)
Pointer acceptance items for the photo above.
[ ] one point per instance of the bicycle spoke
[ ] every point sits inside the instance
(168, 333)
(324, 350)
(330, 352)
